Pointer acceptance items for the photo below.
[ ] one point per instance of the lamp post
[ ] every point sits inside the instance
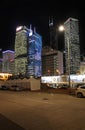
(68, 61)
(61, 28)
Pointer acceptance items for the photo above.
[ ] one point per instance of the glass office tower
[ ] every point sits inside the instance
(21, 41)
(8, 61)
(72, 45)
(34, 55)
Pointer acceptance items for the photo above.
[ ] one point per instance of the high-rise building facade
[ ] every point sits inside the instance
(28, 46)
(1, 64)
(52, 61)
(34, 55)
(21, 41)
(1, 60)
(8, 61)
(72, 45)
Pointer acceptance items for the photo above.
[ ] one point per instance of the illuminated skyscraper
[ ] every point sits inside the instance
(27, 43)
(34, 54)
(72, 46)
(8, 61)
(21, 41)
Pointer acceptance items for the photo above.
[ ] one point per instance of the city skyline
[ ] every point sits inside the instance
(15, 13)
(26, 46)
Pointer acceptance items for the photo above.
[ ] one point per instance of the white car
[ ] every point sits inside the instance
(80, 91)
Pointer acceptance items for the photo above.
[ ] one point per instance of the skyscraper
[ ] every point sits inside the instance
(34, 55)
(27, 43)
(21, 41)
(8, 61)
(72, 45)
(52, 61)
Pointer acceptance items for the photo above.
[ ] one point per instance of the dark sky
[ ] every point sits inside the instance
(26, 12)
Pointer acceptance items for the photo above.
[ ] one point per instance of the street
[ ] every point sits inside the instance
(28, 110)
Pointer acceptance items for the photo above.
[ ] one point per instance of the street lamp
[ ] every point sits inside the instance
(68, 61)
(61, 28)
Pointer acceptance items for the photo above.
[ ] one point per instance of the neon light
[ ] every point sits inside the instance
(8, 51)
(4, 76)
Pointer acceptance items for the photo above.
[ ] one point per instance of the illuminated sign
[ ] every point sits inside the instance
(50, 79)
(30, 33)
(57, 79)
(19, 28)
(5, 76)
(8, 51)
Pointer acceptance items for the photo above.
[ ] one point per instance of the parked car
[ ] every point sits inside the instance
(3, 87)
(15, 88)
(80, 91)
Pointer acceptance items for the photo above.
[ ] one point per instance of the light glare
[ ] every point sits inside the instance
(18, 28)
(61, 28)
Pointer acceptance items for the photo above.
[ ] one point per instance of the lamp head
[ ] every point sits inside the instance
(61, 28)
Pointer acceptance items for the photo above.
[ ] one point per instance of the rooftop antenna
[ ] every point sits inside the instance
(51, 30)
(34, 30)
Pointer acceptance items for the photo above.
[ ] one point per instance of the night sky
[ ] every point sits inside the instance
(26, 12)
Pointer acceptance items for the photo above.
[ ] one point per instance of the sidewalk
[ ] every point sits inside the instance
(6, 124)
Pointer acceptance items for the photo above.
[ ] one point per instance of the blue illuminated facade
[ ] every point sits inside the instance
(34, 55)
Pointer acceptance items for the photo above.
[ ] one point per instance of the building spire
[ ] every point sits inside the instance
(34, 30)
(50, 21)
(30, 26)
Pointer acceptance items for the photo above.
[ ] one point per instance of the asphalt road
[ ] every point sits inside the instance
(41, 111)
